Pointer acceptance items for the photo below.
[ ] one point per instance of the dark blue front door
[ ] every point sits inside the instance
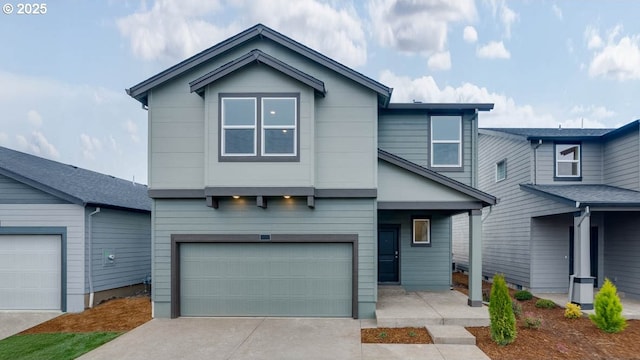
(388, 255)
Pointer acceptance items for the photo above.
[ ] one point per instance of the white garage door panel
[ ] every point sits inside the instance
(276, 279)
(30, 272)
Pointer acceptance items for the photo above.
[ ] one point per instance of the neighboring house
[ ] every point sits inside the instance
(549, 183)
(285, 184)
(66, 233)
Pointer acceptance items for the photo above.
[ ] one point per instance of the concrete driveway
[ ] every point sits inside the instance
(13, 322)
(236, 339)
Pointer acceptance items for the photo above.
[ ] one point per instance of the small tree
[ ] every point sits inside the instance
(503, 321)
(608, 316)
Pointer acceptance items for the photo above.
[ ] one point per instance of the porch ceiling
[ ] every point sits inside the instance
(598, 196)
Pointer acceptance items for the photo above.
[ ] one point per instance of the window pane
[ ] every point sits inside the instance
(445, 127)
(568, 169)
(239, 141)
(445, 154)
(278, 141)
(568, 152)
(239, 111)
(279, 111)
(501, 170)
(421, 231)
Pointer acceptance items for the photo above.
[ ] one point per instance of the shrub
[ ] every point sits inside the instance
(608, 316)
(503, 321)
(517, 308)
(545, 304)
(532, 322)
(572, 311)
(523, 295)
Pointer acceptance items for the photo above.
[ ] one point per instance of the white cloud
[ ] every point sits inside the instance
(173, 30)
(34, 118)
(615, 59)
(470, 34)
(506, 15)
(132, 130)
(592, 111)
(4, 139)
(440, 61)
(418, 26)
(38, 144)
(557, 11)
(89, 146)
(493, 50)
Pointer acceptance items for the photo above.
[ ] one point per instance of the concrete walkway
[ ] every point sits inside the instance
(13, 322)
(264, 338)
(630, 307)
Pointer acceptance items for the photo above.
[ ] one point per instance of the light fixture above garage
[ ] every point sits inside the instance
(236, 196)
(287, 196)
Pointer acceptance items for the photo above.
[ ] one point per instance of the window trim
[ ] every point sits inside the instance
(503, 161)
(259, 155)
(444, 167)
(415, 243)
(557, 177)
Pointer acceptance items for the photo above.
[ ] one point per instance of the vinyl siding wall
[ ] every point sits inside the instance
(283, 216)
(423, 268)
(621, 252)
(591, 164)
(621, 165)
(125, 234)
(64, 215)
(15, 192)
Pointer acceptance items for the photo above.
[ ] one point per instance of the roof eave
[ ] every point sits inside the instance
(529, 188)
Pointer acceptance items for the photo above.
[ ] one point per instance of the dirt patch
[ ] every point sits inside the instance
(557, 337)
(114, 315)
(407, 335)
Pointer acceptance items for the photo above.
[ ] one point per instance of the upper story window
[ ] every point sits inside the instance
(567, 162)
(501, 170)
(446, 141)
(259, 127)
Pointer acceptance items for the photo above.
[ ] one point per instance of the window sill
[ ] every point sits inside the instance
(259, 158)
(413, 244)
(567, 178)
(446, 168)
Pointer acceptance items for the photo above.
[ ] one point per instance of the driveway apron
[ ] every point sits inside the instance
(13, 322)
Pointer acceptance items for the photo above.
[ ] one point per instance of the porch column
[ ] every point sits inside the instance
(582, 282)
(475, 258)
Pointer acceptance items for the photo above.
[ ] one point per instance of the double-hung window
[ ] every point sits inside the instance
(501, 170)
(568, 162)
(259, 127)
(446, 141)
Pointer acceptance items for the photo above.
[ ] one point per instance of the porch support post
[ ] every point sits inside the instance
(475, 258)
(582, 281)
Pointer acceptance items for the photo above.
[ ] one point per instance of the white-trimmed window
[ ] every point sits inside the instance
(501, 170)
(568, 161)
(421, 232)
(446, 141)
(259, 127)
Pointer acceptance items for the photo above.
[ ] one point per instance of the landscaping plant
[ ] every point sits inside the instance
(532, 322)
(572, 311)
(545, 304)
(517, 308)
(503, 321)
(523, 295)
(608, 316)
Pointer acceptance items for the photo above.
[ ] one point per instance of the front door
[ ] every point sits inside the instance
(593, 249)
(388, 254)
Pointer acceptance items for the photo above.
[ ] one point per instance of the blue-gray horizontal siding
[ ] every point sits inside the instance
(621, 165)
(15, 192)
(125, 234)
(622, 251)
(424, 267)
(282, 216)
(591, 165)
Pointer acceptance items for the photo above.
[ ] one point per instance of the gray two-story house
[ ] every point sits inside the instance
(569, 208)
(285, 184)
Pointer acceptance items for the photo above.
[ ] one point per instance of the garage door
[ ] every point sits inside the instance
(274, 279)
(30, 267)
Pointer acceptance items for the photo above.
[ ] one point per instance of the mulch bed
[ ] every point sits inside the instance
(407, 335)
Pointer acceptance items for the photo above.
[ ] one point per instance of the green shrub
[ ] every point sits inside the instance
(517, 308)
(523, 295)
(545, 304)
(532, 322)
(608, 316)
(503, 321)
(572, 311)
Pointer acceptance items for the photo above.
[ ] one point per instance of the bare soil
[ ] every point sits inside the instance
(408, 335)
(114, 315)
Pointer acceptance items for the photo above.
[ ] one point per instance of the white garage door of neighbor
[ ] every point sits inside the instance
(30, 272)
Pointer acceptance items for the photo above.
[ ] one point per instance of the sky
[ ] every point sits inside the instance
(63, 73)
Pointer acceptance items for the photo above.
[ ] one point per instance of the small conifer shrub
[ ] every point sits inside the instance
(503, 321)
(523, 295)
(608, 316)
(545, 304)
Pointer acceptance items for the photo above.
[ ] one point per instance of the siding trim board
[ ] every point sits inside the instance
(429, 205)
(47, 230)
(177, 239)
(264, 191)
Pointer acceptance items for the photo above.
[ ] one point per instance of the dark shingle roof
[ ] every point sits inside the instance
(542, 133)
(73, 184)
(587, 195)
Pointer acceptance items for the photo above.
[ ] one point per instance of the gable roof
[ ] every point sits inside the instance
(256, 56)
(587, 195)
(482, 196)
(139, 91)
(73, 184)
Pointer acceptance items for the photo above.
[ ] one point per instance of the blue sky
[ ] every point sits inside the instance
(543, 63)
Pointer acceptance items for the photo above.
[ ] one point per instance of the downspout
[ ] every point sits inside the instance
(535, 161)
(90, 263)
(587, 212)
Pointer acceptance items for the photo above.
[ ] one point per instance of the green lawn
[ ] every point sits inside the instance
(59, 346)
